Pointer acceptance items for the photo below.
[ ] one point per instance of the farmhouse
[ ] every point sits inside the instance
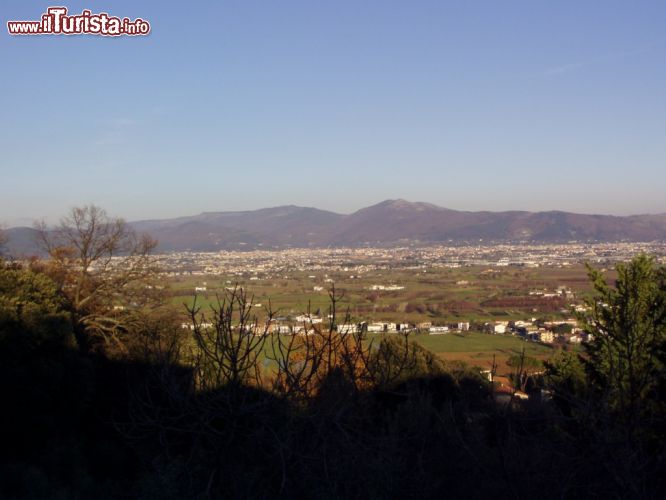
(547, 337)
(345, 328)
(499, 328)
(376, 327)
(308, 318)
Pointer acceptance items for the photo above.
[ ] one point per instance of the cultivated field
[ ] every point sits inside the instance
(474, 294)
(439, 295)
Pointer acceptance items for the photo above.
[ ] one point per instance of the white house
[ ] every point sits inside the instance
(308, 318)
(500, 328)
(546, 337)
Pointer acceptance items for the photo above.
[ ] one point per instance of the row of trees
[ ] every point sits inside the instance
(108, 396)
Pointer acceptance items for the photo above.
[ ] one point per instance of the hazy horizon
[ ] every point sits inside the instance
(228, 107)
(28, 222)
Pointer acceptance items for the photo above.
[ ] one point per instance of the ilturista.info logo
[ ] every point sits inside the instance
(57, 21)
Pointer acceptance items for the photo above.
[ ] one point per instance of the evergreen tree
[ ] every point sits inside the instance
(624, 357)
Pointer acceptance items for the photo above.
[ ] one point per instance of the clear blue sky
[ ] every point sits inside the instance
(231, 105)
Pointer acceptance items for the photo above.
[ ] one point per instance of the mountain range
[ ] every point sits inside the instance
(387, 223)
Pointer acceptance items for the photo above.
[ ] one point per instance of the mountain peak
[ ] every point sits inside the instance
(402, 204)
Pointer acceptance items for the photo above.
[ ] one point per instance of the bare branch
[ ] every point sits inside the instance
(102, 266)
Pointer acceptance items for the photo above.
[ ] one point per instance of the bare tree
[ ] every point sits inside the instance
(102, 266)
(525, 368)
(306, 360)
(229, 345)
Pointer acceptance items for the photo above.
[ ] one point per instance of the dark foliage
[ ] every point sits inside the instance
(149, 425)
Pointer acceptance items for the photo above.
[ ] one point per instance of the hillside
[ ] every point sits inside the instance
(391, 222)
(386, 223)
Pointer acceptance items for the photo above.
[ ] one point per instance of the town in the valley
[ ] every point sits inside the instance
(534, 292)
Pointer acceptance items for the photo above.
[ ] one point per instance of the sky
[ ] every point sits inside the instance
(239, 105)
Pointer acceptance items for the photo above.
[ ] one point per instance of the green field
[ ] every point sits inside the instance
(479, 342)
(478, 348)
(440, 296)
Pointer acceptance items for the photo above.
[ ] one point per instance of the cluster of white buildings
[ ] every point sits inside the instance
(387, 288)
(544, 332)
(308, 323)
